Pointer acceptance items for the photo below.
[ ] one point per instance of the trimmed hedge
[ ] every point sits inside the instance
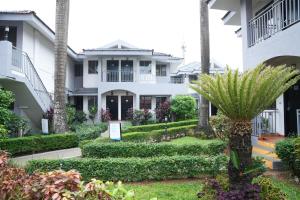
(136, 169)
(89, 132)
(160, 135)
(285, 150)
(151, 127)
(40, 143)
(142, 150)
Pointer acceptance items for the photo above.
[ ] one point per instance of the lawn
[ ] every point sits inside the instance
(191, 140)
(187, 190)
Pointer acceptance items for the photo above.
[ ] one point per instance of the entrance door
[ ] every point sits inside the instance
(291, 104)
(126, 104)
(112, 106)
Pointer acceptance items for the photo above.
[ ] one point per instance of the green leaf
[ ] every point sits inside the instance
(235, 159)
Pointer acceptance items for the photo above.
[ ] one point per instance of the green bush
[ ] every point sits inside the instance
(285, 150)
(136, 169)
(220, 125)
(158, 126)
(183, 107)
(128, 149)
(40, 143)
(89, 132)
(160, 135)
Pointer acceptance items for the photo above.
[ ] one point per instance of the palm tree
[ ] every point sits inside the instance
(241, 98)
(203, 112)
(61, 37)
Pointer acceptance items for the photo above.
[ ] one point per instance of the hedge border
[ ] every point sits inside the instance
(39, 143)
(136, 169)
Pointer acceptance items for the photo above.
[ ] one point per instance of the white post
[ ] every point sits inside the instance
(5, 58)
(137, 101)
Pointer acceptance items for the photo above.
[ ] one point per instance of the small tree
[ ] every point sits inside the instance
(183, 107)
(241, 98)
(163, 111)
(92, 113)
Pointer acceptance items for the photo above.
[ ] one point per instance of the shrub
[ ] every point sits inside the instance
(163, 111)
(285, 150)
(88, 132)
(136, 169)
(3, 132)
(74, 117)
(128, 149)
(183, 107)
(105, 115)
(35, 144)
(160, 135)
(139, 117)
(220, 125)
(158, 126)
(92, 113)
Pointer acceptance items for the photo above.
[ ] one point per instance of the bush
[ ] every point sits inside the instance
(74, 117)
(92, 113)
(183, 107)
(285, 150)
(136, 169)
(105, 115)
(3, 132)
(159, 126)
(35, 144)
(220, 125)
(139, 117)
(160, 135)
(128, 149)
(163, 111)
(89, 132)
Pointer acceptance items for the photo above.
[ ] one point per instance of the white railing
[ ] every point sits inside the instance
(265, 123)
(276, 17)
(22, 63)
(177, 80)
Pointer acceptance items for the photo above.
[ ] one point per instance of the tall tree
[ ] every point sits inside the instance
(241, 98)
(203, 112)
(61, 38)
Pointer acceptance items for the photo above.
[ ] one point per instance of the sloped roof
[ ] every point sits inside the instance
(195, 68)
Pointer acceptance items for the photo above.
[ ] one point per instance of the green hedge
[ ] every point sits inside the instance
(89, 132)
(160, 135)
(151, 127)
(136, 169)
(40, 143)
(128, 149)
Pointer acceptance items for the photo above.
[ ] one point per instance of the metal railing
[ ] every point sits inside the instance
(177, 80)
(23, 64)
(276, 17)
(265, 123)
(112, 76)
(127, 76)
(116, 76)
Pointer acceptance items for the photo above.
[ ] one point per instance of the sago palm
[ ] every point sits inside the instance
(241, 98)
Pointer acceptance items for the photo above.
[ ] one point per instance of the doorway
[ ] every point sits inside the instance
(126, 104)
(112, 106)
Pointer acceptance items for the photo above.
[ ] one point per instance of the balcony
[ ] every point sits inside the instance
(277, 17)
(117, 76)
(177, 80)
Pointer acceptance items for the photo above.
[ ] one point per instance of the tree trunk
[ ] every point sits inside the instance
(61, 38)
(203, 112)
(240, 142)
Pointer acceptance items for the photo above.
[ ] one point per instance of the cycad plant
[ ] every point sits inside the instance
(241, 98)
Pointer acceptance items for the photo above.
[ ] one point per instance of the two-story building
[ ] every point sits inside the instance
(270, 32)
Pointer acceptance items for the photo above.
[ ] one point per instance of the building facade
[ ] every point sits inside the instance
(270, 34)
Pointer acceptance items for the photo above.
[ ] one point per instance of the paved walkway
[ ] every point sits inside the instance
(59, 154)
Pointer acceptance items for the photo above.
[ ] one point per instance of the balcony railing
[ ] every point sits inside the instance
(265, 123)
(22, 63)
(276, 17)
(177, 80)
(116, 76)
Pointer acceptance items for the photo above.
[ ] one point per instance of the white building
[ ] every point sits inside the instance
(270, 32)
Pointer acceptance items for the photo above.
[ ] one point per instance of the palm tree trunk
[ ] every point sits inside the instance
(203, 112)
(61, 38)
(240, 143)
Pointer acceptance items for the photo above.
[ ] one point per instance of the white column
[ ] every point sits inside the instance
(119, 107)
(137, 101)
(5, 58)
(280, 115)
(99, 103)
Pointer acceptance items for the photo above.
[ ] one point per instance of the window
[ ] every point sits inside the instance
(93, 66)
(145, 102)
(92, 101)
(161, 70)
(78, 70)
(193, 78)
(12, 34)
(145, 67)
(160, 100)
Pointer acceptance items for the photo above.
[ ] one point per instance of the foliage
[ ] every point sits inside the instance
(16, 124)
(105, 115)
(3, 132)
(183, 107)
(74, 117)
(88, 132)
(137, 169)
(92, 113)
(157, 126)
(160, 135)
(163, 111)
(297, 157)
(221, 125)
(285, 150)
(70, 112)
(139, 117)
(268, 190)
(244, 97)
(128, 149)
(40, 143)
(59, 185)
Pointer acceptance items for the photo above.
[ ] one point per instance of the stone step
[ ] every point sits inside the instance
(264, 151)
(266, 144)
(270, 161)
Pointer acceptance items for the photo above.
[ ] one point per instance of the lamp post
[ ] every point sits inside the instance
(6, 31)
(166, 127)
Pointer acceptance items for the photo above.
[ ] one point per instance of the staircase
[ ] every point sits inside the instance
(18, 74)
(266, 150)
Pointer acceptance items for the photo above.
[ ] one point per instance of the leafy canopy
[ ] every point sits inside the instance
(242, 97)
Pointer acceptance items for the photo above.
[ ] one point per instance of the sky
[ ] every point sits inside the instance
(162, 25)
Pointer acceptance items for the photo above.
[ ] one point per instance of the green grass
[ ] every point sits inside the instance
(191, 140)
(292, 191)
(167, 190)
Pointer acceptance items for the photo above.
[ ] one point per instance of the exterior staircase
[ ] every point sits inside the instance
(266, 150)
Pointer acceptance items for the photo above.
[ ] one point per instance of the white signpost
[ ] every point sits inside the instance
(115, 131)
